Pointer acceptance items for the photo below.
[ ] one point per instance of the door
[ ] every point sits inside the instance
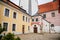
(23, 29)
(35, 29)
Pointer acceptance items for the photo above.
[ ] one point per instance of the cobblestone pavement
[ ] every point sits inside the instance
(39, 36)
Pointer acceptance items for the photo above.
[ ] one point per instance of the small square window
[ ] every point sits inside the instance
(53, 14)
(44, 15)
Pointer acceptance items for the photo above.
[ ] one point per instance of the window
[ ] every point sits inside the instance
(13, 27)
(53, 14)
(52, 25)
(32, 19)
(34, 25)
(14, 15)
(5, 26)
(23, 18)
(6, 12)
(44, 15)
(36, 19)
(54, 0)
(26, 19)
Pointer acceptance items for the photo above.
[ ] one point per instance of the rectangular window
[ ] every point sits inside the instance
(53, 14)
(44, 15)
(23, 18)
(6, 12)
(26, 19)
(13, 27)
(5, 26)
(14, 15)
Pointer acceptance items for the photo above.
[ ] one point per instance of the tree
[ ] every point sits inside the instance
(10, 36)
(1, 30)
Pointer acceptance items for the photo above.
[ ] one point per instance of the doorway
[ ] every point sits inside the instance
(35, 29)
(23, 28)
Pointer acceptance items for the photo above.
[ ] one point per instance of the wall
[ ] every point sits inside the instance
(19, 22)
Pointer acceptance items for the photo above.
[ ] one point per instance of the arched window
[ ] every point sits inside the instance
(52, 25)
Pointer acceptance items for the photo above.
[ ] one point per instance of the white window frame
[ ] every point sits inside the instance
(16, 15)
(4, 12)
(8, 25)
(15, 27)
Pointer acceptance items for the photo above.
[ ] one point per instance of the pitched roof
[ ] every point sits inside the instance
(48, 7)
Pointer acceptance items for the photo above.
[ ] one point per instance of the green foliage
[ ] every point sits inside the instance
(18, 38)
(9, 36)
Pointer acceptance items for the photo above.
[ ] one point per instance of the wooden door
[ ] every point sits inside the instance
(35, 29)
(23, 29)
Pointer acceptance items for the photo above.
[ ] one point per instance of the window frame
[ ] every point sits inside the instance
(12, 27)
(44, 15)
(16, 15)
(23, 18)
(4, 12)
(53, 14)
(5, 22)
(37, 20)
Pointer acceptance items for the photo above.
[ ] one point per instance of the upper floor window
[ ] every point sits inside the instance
(14, 15)
(26, 19)
(13, 27)
(33, 20)
(53, 14)
(36, 19)
(44, 15)
(5, 26)
(6, 12)
(23, 18)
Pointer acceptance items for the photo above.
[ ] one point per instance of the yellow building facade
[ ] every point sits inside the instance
(17, 23)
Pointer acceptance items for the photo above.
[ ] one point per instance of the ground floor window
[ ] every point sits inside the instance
(13, 27)
(5, 26)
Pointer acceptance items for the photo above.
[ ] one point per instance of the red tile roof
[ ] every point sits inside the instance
(48, 7)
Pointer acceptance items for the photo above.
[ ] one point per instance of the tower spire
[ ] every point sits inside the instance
(29, 8)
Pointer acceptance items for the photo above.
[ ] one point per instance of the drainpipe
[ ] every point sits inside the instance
(49, 28)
